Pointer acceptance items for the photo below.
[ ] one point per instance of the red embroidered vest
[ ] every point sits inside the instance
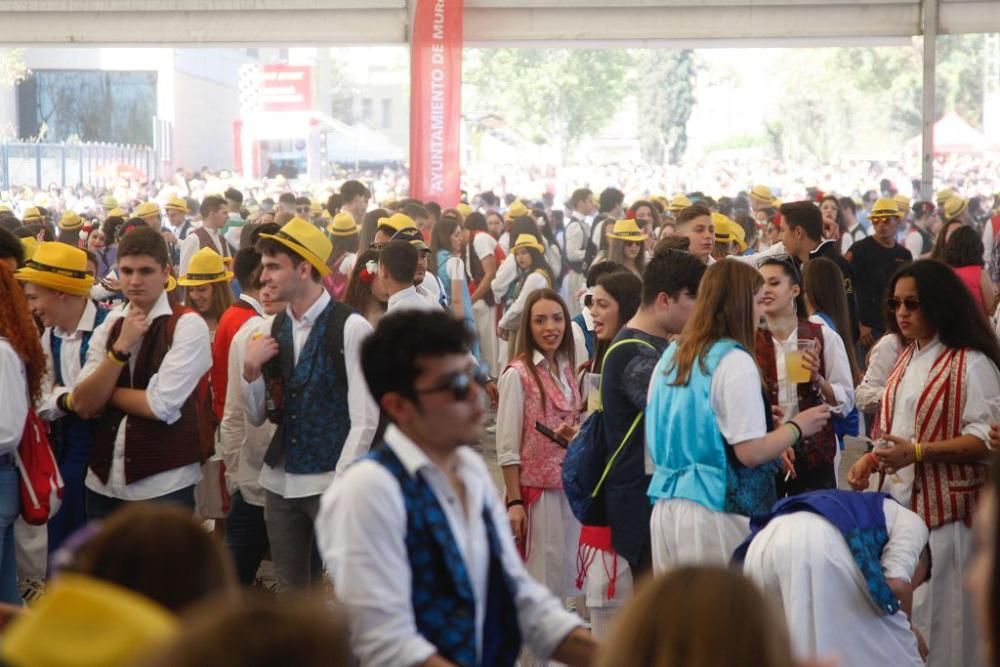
(817, 450)
(942, 492)
(542, 459)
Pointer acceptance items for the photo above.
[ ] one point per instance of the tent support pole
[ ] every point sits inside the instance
(930, 28)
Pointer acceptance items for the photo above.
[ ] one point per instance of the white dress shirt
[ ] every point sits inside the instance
(14, 406)
(881, 360)
(360, 405)
(982, 383)
(505, 277)
(411, 299)
(510, 413)
(192, 244)
(576, 239)
(361, 529)
(187, 360)
(69, 362)
(512, 316)
(838, 371)
(241, 443)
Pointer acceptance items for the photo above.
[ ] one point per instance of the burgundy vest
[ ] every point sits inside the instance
(821, 448)
(151, 446)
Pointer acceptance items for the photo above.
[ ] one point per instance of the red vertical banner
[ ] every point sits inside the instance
(436, 101)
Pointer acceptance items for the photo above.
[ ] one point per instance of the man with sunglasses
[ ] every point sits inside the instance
(874, 260)
(415, 536)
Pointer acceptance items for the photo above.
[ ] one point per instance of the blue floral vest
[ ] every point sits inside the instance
(859, 517)
(444, 604)
(309, 398)
(692, 460)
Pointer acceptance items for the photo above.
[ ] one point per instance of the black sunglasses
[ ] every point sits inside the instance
(911, 304)
(459, 384)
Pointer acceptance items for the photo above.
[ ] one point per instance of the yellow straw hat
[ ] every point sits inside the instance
(904, 203)
(627, 230)
(343, 225)
(97, 624)
(679, 202)
(30, 245)
(146, 209)
(885, 208)
(943, 195)
(177, 204)
(58, 266)
(464, 209)
(109, 202)
(955, 207)
(4, 208)
(116, 213)
(762, 193)
(302, 237)
(32, 214)
(171, 284)
(315, 208)
(397, 222)
(723, 225)
(518, 210)
(70, 220)
(526, 242)
(206, 267)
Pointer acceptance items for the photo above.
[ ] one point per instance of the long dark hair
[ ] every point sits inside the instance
(359, 294)
(964, 248)
(791, 270)
(526, 344)
(538, 263)
(937, 252)
(441, 239)
(948, 306)
(841, 223)
(626, 289)
(824, 285)
(369, 226)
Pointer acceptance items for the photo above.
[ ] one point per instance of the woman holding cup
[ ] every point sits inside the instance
(804, 364)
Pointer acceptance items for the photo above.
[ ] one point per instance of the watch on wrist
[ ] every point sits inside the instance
(121, 357)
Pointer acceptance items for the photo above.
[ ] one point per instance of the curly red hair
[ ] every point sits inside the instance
(18, 327)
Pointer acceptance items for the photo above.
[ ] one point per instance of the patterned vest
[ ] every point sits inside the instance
(542, 459)
(151, 446)
(310, 397)
(444, 604)
(860, 518)
(942, 492)
(691, 458)
(818, 450)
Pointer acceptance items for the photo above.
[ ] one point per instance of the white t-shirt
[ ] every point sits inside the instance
(737, 399)
(455, 268)
(484, 245)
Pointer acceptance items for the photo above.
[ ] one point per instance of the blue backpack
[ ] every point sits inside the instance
(584, 468)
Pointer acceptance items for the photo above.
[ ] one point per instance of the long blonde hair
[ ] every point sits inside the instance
(674, 621)
(724, 309)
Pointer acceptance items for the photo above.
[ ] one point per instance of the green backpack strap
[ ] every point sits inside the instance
(635, 422)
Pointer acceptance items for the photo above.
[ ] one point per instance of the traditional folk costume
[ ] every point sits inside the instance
(936, 394)
(703, 495)
(826, 555)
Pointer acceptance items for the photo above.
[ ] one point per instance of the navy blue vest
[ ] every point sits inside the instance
(861, 520)
(444, 605)
(313, 420)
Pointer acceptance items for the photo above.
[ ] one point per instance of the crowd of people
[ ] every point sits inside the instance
(294, 396)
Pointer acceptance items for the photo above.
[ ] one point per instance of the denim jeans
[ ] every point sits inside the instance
(10, 509)
(246, 537)
(100, 506)
(291, 532)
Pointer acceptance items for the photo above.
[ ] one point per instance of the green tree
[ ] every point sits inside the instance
(12, 67)
(665, 102)
(553, 96)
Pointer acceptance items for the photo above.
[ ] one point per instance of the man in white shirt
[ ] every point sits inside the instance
(213, 217)
(402, 530)
(397, 264)
(578, 230)
(306, 378)
(140, 379)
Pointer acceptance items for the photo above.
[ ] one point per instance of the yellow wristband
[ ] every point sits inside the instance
(69, 401)
(115, 359)
(918, 451)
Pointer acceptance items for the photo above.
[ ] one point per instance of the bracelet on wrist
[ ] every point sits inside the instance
(918, 451)
(65, 402)
(120, 358)
(517, 502)
(796, 430)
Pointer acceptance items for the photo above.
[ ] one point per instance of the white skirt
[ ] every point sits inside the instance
(803, 560)
(683, 532)
(553, 538)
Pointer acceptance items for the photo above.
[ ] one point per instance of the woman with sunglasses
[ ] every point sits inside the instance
(538, 413)
(627, 246)
(827, 365)
(712, 442)
(935, 418)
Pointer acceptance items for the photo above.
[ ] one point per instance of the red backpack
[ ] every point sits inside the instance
(41, 484)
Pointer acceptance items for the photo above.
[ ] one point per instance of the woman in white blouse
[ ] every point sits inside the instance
(535, 274)
(830, 382)
(22, 368)
(935, 416)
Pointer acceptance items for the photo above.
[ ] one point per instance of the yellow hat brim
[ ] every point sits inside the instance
(622, 237)
(225, 277)
(74, 286)
(78, 225)
(171, 284)
(342, 232)
(528, 246)
(303, 252)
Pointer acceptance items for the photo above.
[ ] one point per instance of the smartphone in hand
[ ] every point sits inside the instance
(551, 435)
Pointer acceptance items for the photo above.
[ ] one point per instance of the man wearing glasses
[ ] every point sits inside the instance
(415, 536)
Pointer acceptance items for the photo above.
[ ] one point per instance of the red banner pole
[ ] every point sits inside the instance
(436, 101)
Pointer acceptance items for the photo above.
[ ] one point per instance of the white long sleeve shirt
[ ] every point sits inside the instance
(14, 406)
(881, 361)
(360, 405)
(69, 362)
(361, 529)
(187, 360)
(192, 244)
(838, 372)
(512, 316)
(576, 240)
(505, 277)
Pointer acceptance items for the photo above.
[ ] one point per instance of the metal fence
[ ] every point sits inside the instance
(66, 165)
